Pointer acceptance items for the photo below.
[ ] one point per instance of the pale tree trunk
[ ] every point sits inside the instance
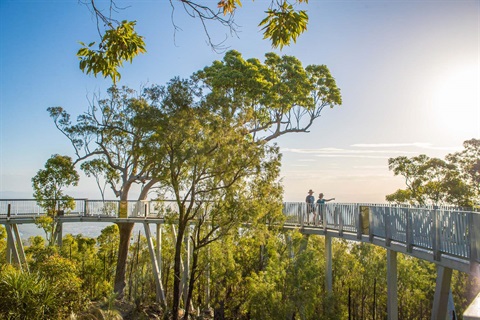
(125, 230)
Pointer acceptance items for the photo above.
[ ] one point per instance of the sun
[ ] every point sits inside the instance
(455, 101)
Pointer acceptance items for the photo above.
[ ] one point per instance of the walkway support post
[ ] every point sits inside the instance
(186, 264)
(328, 264)
(160, 297)
(392, 291)
(442, 289)
(15, 249)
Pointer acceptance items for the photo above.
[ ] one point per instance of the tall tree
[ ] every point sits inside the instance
(270, 99)
(467, 162)
(213, 170)
(238, 104)
(48, 187)
(429, 181)
(107, 142)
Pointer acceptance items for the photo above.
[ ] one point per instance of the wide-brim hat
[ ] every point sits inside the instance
(310, 191)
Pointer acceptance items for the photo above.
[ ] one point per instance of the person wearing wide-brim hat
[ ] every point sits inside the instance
(310, 200)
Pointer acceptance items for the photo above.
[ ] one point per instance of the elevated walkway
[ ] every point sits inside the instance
(448, 237)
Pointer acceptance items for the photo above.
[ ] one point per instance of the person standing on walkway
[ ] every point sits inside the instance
(320, 206)
(310, 200)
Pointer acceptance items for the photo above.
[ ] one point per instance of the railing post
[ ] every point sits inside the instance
(436, 235)
(339, 213)
(388, 227)
(359, 221)
(409, 231)
(324, 215)
(474, 241)
(85, 207)
(303, 209)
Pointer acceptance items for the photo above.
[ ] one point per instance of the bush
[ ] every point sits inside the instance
(53, 291)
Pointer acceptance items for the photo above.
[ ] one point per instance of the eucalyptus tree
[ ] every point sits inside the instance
(222, 119)
(213, 169)
(106, 143)
(429, 181)
(48, 186)
(270, 99)
(467, 162)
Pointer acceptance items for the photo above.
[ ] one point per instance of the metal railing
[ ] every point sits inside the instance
(452, 232)
(87, 207)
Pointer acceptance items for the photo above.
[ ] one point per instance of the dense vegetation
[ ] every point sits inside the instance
(250, 275)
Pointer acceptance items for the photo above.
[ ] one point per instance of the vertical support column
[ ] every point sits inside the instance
(19, 246)
(442, 289)
(328, 264)
(392, 291)
(156, 269)
(186, 264)
(11, 249)
(159, 248)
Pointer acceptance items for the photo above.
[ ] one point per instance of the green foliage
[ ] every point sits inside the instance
(52, 292)
(48, 184)
(120, 42)
(25, 296)
(284, 24)
(276, 97)
(118, 45)
(429, 181)
(467, 163)
(3, 244)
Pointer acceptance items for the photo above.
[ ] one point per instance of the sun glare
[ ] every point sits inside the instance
(455, 103)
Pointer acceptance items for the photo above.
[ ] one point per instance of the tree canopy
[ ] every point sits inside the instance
(203, 141)
(432, 181)
(120, 42)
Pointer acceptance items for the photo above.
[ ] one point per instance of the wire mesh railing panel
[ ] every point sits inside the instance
(163, 208)
(398, 224)
(294, 211)
(351, 217)
(20, 207)
(107, 208)
(377, 221)
(454, 231)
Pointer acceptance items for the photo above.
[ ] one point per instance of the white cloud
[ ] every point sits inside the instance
(422, 145)
(392, 145)
(351, 156)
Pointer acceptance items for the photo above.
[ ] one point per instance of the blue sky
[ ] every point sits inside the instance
(409, 72)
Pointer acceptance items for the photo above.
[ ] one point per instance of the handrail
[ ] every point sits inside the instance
(453, 233)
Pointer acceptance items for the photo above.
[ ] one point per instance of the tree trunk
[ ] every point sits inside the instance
(192, 281)
(125, 230)
(177, 276)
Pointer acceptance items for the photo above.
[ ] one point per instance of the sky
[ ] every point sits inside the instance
(409, 74)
